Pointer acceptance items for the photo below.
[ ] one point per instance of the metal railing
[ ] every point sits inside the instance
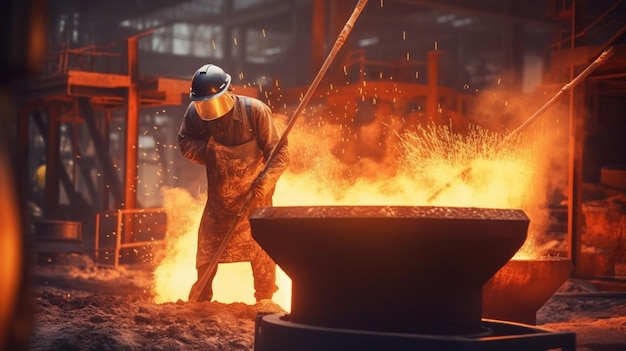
(61, 59)
(379, 70)
(144, 227)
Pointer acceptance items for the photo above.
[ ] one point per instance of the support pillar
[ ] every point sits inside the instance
(24, 177)
(318, 35)
(576, 147)
(132, 130)
(432, 95)
(53, 166)
(514, 55)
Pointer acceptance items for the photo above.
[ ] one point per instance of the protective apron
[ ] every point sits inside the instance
(230, 173)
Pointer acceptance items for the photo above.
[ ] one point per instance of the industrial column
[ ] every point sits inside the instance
(576, 147)
(132, 130)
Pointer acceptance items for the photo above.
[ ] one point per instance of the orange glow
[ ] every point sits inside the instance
(337, 164)
(176, 273)
(11, 248)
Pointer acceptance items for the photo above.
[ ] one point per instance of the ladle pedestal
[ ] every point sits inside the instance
(389, 268)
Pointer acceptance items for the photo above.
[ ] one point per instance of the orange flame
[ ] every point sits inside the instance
(336, 164)
(176, 273)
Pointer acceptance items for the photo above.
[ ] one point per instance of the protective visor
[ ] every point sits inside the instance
(215, 106)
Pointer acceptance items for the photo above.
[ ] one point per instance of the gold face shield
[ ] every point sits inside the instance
(215, 106)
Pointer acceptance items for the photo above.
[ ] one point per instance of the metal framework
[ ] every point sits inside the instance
(134, 229)
(88, 84)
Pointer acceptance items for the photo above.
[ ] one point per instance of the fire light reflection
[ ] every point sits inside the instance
(417, 163)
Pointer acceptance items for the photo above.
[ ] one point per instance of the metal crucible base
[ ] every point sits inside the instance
(384, 268)
(276, 333)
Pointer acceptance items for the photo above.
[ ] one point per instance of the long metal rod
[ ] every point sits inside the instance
(199, 286)
(567, 87)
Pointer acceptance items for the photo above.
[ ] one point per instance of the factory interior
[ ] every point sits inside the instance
(492, 130)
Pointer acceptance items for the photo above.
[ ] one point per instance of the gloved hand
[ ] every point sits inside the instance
(261, 186)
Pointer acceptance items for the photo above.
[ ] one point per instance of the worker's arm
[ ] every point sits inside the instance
(192, 137)
(267, 138)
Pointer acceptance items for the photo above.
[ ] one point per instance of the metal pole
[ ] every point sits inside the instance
(197, 288)
(132, 129)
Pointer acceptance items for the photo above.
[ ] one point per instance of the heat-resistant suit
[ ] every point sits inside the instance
(233, 149)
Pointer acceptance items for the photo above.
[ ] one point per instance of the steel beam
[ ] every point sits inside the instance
(132, 129)
(108, 169)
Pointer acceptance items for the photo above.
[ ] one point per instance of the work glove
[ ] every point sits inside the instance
(262, 185)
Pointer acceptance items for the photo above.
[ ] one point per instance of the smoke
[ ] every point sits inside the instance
(545, 146)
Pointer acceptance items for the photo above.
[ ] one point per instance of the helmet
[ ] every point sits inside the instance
(210, 92)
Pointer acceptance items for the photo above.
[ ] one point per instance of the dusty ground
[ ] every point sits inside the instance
(80, 306)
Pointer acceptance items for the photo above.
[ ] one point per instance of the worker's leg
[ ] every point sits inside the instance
(207, 293)
(264, 273)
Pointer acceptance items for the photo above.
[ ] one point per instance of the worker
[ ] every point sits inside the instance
(232, 136)
(39, 183)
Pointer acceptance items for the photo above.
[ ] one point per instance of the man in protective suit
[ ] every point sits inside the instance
(233, 136)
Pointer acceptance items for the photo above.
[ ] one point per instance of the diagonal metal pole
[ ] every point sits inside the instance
(567, 87)
(199, 286)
